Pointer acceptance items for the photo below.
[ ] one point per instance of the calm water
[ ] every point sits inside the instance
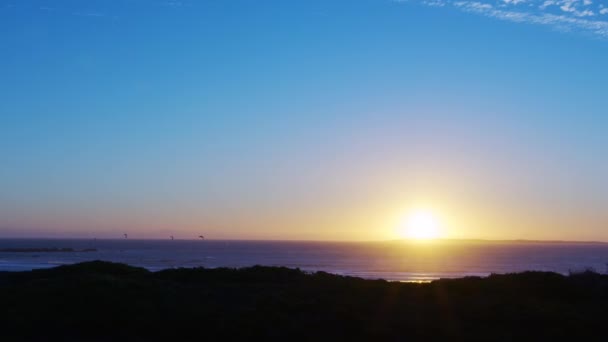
(388, 260)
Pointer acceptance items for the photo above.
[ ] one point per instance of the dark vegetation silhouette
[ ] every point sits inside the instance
(101, 301)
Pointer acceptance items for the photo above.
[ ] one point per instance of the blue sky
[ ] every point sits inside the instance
(303, 119)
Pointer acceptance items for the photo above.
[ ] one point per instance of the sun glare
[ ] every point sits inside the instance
(420, 225)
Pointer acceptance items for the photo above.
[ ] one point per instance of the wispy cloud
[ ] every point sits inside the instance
(89, 14)
(173, 3)
(587, 16)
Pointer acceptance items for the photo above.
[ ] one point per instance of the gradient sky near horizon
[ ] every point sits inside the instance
(303, 119)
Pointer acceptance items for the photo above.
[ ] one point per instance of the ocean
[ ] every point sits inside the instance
(394, 260)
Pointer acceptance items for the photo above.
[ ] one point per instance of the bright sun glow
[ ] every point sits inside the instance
(420, 225)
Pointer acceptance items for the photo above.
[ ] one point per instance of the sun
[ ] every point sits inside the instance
(420, 224)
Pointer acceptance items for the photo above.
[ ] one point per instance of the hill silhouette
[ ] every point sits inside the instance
(101, 301)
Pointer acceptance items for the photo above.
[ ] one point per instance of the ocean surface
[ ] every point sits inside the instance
(395, 261)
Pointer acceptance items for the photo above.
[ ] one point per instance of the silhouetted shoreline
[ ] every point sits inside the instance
(46, 250)
(101, 301)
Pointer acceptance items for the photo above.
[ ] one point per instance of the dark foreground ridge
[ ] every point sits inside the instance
(100, 301)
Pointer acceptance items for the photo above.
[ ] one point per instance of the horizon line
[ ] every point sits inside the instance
(324, 241)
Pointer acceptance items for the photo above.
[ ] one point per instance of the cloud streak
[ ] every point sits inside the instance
(585, 16)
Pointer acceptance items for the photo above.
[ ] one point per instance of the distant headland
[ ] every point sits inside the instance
(46, 250)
